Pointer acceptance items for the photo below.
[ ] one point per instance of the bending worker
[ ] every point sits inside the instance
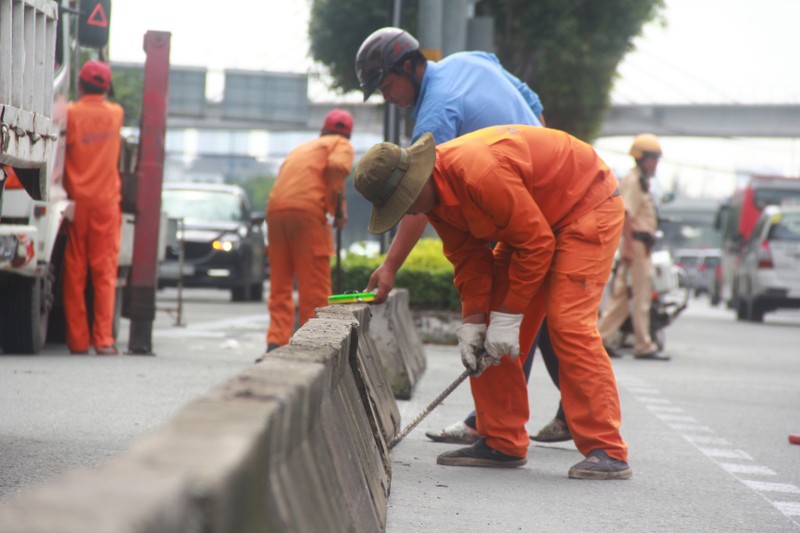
(463, 92)
(93, 236)
(310, 185)
(551, 206)
(636, 248)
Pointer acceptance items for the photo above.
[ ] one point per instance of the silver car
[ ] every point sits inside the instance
(769, 273)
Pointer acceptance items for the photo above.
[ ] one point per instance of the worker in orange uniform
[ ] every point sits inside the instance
(93, 236)
(310, 186)
(553, 208)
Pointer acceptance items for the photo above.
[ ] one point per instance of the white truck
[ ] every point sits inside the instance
(37, 47)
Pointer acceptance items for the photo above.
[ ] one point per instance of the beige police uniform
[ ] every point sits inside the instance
(641, 212)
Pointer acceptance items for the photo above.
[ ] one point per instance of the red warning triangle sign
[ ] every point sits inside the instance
(98, 17)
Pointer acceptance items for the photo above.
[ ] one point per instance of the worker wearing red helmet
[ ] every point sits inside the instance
(310, 186)
(93, 236)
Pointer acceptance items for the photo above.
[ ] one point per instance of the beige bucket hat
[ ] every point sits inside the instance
(391, 178)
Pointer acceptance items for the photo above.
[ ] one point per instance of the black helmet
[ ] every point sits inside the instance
(381, 52)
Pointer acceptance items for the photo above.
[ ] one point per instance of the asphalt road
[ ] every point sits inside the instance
(708, 436)
(707, 431)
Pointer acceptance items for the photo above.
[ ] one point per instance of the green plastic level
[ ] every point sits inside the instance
(352, 298)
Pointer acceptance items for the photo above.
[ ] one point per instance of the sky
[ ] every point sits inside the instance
(702, 51)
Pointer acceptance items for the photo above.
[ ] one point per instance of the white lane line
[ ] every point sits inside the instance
(705, 439)
(664, 408)
(765, 486)
(788, 508)
(723, 450)
(691, 427)
(653, 400)
(676, 418)
(725, 453)
(737, 468)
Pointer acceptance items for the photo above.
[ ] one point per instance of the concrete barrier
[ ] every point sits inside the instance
(294, 443)
(397, 341)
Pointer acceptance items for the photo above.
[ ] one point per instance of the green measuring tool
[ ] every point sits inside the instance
(351, 298)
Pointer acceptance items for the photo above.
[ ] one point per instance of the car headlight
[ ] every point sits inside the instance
(227, 242)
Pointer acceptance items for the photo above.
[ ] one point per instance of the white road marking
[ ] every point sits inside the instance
(688, 426)
(664, 409)
(704, 439)
(676, 418)
(737, 468)
(765, 486)
(788, 508)
(725, 453)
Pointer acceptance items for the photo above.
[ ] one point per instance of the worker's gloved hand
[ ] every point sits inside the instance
(502, 337)
(470, 343)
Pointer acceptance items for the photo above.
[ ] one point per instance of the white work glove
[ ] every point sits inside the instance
(502, 337)
(470, 344)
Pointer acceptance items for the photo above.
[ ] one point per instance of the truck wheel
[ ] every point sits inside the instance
(25, 312)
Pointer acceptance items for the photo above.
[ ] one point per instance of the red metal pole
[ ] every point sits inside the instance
(141, 290)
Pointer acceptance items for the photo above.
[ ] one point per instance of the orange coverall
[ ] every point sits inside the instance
(93, 236)
(310, 183)
(551, 204)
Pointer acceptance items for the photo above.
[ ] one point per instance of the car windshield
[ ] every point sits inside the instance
(204, 206)
(788, 229)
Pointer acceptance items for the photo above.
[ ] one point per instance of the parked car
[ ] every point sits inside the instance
(700, 265)
(769, 272)
(222, 239)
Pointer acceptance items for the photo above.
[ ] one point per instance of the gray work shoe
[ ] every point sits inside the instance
(598, 465)
(555, 431)
(458, 433)
(479, 454)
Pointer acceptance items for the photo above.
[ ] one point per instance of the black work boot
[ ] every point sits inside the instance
(480, 454)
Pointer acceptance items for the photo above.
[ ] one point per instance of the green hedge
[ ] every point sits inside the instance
(426, 273)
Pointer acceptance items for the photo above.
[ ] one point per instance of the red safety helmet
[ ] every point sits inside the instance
(338, 121)
(379, 54)
(96, 73)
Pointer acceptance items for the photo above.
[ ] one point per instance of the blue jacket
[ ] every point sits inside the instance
(467, 91)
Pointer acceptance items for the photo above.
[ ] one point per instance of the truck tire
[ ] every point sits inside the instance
(26, 307)
(57, 322)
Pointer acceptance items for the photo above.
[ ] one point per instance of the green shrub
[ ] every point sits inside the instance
(426, 273)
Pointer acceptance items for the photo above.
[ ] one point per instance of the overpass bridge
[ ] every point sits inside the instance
(704, 120)
(680, 120)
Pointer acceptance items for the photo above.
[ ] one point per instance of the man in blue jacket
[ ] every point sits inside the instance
(463, 92)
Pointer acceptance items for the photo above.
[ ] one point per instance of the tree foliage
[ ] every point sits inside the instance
(566, 50)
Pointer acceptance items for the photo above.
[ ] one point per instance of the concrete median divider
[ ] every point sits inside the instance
(297, 442)
(393, 330)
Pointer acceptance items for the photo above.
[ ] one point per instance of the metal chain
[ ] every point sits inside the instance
(400, 436)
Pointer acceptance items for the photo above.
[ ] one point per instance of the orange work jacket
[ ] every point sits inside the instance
(517, 186)
(93, 146)
(313, 176)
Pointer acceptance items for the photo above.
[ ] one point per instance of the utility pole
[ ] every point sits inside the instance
(391, 116)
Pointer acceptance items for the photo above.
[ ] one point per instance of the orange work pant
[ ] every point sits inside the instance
(300, 246)
(570, 297)
(93, 239)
